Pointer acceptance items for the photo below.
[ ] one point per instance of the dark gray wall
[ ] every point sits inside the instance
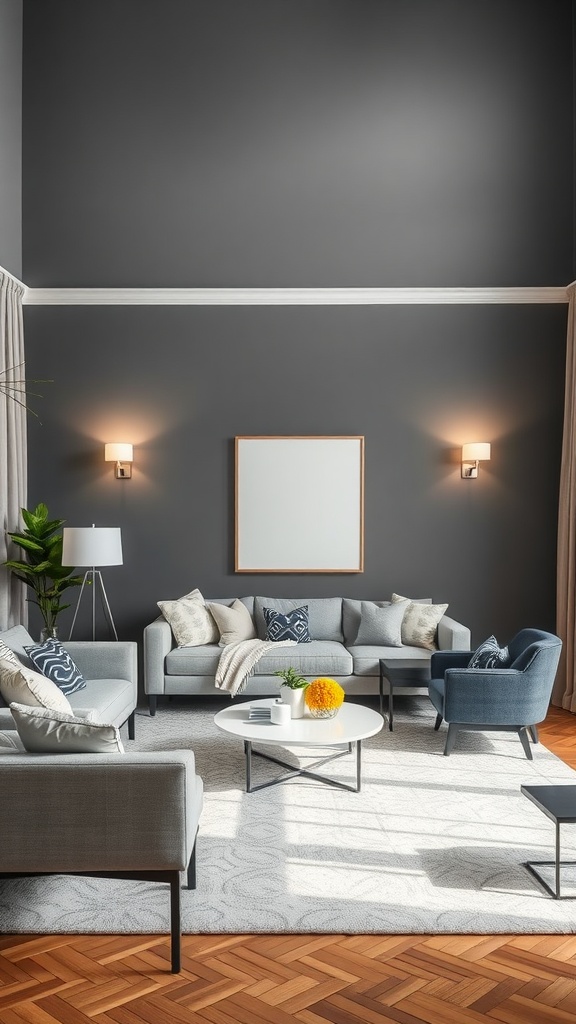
(417, 381)
(297, 142)
(334, 142)
(11, 135)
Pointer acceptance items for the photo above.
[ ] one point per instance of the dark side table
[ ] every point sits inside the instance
(401, 672)
(559, 804)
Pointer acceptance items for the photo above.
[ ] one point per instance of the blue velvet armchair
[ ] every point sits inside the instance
(510, 699)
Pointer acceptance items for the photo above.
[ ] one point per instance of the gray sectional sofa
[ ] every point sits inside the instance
(333, 625)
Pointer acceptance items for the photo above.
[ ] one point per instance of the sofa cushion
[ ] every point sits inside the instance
(111, 699)
(288, 625)
(351, 615)
(43, 731)
(324, 615)
(17, 639)
(10, 742)
(25, 686)
(193, 661)
(190, 620)
(381, 626)
(7, 654)
(248, 602)
(490, 655)
(234, 622)
(318, 658)
(366, 659)
(54, 662)
(420, 622)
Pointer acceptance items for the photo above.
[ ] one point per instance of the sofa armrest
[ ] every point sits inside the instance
(108, 659)
(452, 635)
(158, 642)
(98, 812)
(442, 660)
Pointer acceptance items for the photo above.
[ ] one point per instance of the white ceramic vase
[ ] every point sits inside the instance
(295, 698)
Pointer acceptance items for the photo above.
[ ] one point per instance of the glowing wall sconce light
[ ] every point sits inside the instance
(123, 455)
(472, 454)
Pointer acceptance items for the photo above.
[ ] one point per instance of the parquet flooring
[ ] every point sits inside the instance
(314, 979)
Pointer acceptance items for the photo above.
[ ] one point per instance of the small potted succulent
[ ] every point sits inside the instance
(292, 690)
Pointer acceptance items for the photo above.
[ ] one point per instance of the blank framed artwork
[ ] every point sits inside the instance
(299, 504)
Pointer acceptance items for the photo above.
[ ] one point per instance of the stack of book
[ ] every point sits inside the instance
(259, 713)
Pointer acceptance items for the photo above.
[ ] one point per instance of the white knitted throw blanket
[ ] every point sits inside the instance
(237, 662)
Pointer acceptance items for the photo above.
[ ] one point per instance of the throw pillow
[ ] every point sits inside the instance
(44, 731)
(190, 620)
(23, 685)
(7, 654)
(490, 655)
(53, 661)
(291, 626)
(381, 627)
(234, 622)
(420, 622)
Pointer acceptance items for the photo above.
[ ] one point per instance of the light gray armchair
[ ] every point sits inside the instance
(510, 699)
(110, 669)
(103, 815)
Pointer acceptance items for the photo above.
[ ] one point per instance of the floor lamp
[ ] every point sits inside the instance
(92, 546)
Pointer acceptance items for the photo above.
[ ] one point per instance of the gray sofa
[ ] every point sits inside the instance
(333, 624)
(132, 815)
(109, 668)
(110, 815)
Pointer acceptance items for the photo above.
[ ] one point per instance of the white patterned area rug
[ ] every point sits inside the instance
(431, 844)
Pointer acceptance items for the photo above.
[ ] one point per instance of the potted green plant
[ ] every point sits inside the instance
(292, 690)
(43, 571)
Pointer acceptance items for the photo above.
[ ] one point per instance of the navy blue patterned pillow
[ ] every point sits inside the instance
(53, 661)
(490, 655)
(288, 626)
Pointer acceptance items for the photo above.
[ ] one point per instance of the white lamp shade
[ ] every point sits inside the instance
(118, 451)
(91, 545)
(476, 451)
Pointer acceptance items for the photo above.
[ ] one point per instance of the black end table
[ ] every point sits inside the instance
(401, 672)
(559, 804)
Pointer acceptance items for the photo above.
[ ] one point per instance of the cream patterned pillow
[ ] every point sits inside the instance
(43, 731)
(234, 622)
(23, 685)
(190, 620)
(420, 622)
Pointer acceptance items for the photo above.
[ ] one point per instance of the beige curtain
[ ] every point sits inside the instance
(13, 474)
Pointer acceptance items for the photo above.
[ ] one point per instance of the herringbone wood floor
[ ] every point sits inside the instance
(326, 979)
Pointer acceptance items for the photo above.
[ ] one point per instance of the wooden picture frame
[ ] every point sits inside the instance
(299, 504)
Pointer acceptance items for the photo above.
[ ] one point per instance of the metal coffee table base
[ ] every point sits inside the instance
(293, 772)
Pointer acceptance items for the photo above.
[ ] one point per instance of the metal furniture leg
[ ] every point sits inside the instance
(293, 772)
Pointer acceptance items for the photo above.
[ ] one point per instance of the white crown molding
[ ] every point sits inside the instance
(288, 296)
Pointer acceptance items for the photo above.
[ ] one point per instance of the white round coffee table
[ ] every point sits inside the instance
(352, 724)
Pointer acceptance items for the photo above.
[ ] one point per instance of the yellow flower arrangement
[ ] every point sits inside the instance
(323, 697)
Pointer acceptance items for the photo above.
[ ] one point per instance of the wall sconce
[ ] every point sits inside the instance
(472, 454)
(123, 455)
